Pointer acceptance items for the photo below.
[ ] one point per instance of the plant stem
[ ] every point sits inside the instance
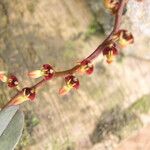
(91, 57)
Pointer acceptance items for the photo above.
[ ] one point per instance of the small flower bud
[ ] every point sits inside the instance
(71, 82)
(25, 95)
(29, 93)
(86, 67)
(47, 72)
(112, 5)
(123, 37)
(12, 81)
(110, 51)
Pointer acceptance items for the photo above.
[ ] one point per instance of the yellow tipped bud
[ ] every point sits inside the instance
(110, 57)
(112, 5)
(18, 100)
(64, 90)
(35, 74)
(3, 77)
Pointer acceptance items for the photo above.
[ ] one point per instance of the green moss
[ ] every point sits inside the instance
(67, 145)
(30, 122)
(142, 105)
(118, 122)
(132, 125)
(32, 5)
(31, 8)
(25, 140)
(95, 28)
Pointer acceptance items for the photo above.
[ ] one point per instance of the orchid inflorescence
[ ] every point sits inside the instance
(118, 38)
(47, 73)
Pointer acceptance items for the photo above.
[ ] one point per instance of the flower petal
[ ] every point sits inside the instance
(64, 90)
(12, 81)
(35, 74)
(18, 100)
(81, 70)
(3, 77)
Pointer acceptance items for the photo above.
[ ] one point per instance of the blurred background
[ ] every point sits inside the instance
(111, 106)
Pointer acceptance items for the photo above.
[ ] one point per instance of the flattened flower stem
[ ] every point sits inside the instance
(91, 57)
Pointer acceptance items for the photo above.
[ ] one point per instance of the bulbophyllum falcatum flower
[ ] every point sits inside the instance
(123, 37)
(71, 83)
(11, 80)
(47, 72)
(25, 95)
(86, 67)
(110, 51)
(112, 5)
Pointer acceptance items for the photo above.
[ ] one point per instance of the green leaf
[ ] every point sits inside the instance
(11, 126)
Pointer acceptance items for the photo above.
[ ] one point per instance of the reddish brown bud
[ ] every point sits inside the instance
(110, 51)
(86, 67)
(48, 71)
(25, 95)
(29, 93)
(123, 37)
(12, 81)
(71, 82)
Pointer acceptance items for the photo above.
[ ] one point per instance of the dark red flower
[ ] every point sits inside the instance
(29, 93)
(48, 71)
(25, 95)
(86, 67)
(110, 51)
(12, 81)
(71, 82)
(123, 37)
